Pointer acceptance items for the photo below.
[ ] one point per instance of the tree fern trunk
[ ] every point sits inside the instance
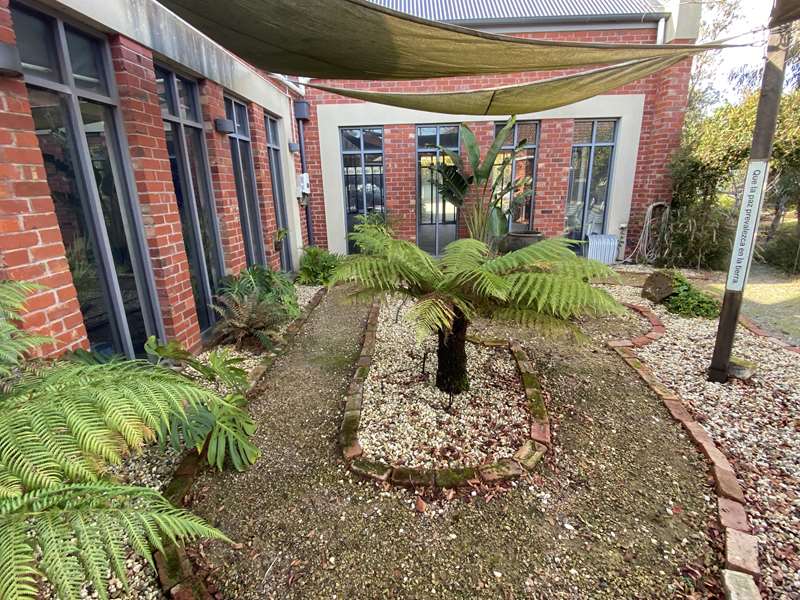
(451, 373)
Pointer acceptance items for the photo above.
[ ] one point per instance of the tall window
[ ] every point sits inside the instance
(362, 161)
(436, 218)
(278, 195)
(589, 178)
(523, 168)
(68, 76)
(249, 213)
(183, 130)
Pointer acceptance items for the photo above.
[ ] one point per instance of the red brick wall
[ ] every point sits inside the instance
(221, 166)
(400, 179)
(141, 114)
(665, 103)
(31, 246)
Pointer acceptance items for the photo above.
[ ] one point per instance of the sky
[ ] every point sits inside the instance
(753, 14)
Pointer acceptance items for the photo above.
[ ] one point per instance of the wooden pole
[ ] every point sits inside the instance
(755, 183)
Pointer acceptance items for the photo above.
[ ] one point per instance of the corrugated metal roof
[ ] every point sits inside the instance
(505, 10)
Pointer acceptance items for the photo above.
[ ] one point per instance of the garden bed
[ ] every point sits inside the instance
(401, 429)
(754, 423)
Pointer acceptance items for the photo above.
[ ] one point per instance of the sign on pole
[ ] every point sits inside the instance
(744, 242)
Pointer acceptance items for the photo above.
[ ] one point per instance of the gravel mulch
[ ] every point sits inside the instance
(756, 422)
(406, 420)
(620, 510)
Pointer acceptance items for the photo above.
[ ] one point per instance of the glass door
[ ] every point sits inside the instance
(362, 163)
(437, 218)
(589, 178)
(278, 195)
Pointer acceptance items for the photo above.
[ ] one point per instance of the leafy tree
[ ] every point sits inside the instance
(543, 285)
(61, 423)
(474, 182)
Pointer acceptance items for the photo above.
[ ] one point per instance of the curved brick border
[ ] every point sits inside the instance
(507, 469)
(748, 324)
(741, 548)
(174, 569)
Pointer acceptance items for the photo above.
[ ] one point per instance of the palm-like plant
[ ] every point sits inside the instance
(545, 284)
(61, 423)
(475, 180)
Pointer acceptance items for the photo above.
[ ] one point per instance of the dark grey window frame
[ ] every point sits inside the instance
(245, 172)
(593, 144)
(362, 154)
(438, 151)
(125, 181)
(535, 146)
(275, 159)
(179, 122)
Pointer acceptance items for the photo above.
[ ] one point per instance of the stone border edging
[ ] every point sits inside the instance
(525, 458)
(741, 548)
(750, 325)
(175, 572)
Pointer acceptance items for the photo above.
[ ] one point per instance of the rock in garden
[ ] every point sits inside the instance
(658, 285)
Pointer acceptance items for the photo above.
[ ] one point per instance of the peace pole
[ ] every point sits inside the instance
(755, 184)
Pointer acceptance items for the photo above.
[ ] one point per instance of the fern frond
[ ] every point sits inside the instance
(558, 295)
(13, 296)
(544, 324)
(542, 253)
(430, 315)
(83, 529)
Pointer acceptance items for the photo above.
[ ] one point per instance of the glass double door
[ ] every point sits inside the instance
(589, 178)
(437, 218)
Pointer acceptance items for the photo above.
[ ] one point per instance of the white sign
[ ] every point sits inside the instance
(746, 231)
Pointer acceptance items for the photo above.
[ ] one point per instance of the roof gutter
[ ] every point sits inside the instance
(651, 17)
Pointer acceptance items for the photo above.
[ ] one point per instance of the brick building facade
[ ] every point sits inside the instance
(136, 170)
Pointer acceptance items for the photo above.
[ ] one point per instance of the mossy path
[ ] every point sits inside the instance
(617, 511)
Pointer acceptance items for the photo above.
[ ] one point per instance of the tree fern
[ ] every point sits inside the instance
(543, 285)
(79, 532)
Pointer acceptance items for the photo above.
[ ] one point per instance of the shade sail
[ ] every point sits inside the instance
(354, 39)
(520, 98)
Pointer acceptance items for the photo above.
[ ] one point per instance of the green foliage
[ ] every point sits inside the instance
(79, 532)
(699, 236)
(545, 280)
(223, 429)
(14, 343)
(783, 250)
(688, 301)
(61, 423)
(267, 285)
(248, 320)
(476, 180)
(316, 266)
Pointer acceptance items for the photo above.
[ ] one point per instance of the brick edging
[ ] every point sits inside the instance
(175, 573)
(750, 325)
(525, 458)
(741, 548)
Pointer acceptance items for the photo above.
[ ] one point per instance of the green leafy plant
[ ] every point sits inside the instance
(267, 285)
(783, 250)
(248, 320)
(221, 430)
(543, 285)
(688, 301)
(61, 423)
(474, 181)
(316, 266)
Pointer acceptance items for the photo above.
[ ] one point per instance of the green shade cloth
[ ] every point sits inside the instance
(787, 11)
(521, 98)
(354, 39)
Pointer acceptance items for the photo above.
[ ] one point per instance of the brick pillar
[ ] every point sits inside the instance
(552, 176)
(662, 124)
(222, 177)
(141, 114)
(258, 146)
(400, 179)
(31, 246)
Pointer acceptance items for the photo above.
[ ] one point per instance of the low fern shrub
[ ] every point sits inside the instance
(248, 321)
(61, 423)
(688, 301)
(316, 266)
(266, 285)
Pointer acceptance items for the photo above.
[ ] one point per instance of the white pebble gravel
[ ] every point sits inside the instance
(404, 420)
(757, 423)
